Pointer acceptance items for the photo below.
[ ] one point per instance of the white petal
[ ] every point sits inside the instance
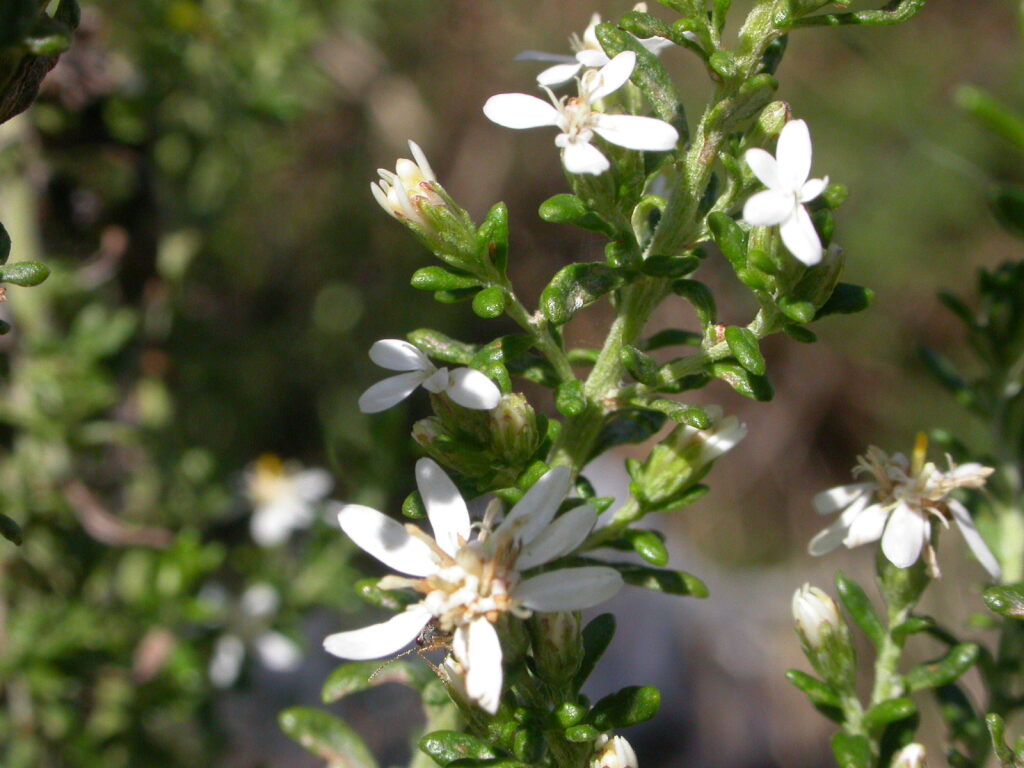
(559, 538)
(592, 58)
(634, 132)
(558, 74)
(830, 538)
(765, 168)
(389, 392)
(812, 189)
(570, 589)
(800, 237)
(421, 161)
(904, 536)
(438, 380)
(518, 110)
(226, 660)
(656, 44)
(867, 524)
(271, 525)
(613, 75)
(378, 640)
(581, 157)
(278, 652)
(973, 538)
(794, 154)
(840, 497)
(482, 661)
(312, 484)
(544, 56)
(537, 508)
(387, 540)
(446, 510)
(472, 389)
(768, 208)
(398, 355)
(725, 436)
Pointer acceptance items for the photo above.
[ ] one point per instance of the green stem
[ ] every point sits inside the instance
(888, 681)
(545, 342)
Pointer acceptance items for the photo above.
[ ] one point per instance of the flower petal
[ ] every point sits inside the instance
(558, 74)
(634, 132)
(537, 508)
(765, 168)
(278, 652)
(446, 509)
(518, 110)
(389, 392)
(543, 56)
(272, 524)
(569, 589)
(398, 355)
(768, 208)
(794, 154)
(812, 189)
(479, 652)
(904, 536)
(559, 538)
(801, 238)
(378, 640)
(312, 484)
(866, 522)
(657, 44)
(470, 388)
(830, 538)
(613, 75)
(387, 540)
(581, 157)
(839, 498)
(591, 58)
(226, 660)
(421, 161)
(974, 539)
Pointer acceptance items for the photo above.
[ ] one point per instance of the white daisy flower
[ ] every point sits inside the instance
(412, 184)
(614, 752)
(587, 52)
(465, 386)
(284, 498)
(578, 121)
(782, 204)
(898, 504)
(468, 583)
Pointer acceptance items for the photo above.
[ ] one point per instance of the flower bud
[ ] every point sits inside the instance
(769, 124)
(557, 648)
(911, 756)
(824, 636)
(614, 752)
(514, 432)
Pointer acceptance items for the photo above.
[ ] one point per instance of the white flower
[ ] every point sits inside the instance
(283, 497)
(815, 613)
(588, 52)
(403, 192)
(782, 203)
(578, 121)
(465, 386)
(468, 584)
(911, 756)
(614, 752)
(898, 504)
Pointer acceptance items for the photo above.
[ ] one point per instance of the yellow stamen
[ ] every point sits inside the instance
(920, 453)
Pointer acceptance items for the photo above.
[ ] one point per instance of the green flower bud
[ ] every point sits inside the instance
(557, 647)
(514, 433)
(824, 636)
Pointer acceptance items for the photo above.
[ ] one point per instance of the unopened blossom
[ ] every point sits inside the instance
(789, 188)
(911, 756)
(284, 498)
(613, 752)
(898, 503)
(412, 184)
(578, 119)
(469, 582)
(815, 614)
(465, 386)
(587, 53)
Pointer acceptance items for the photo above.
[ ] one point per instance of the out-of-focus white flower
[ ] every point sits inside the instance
(911, 756)
(782, 204)
(815, 614)
(226, 660)
(614, 752)
(465, 386)
(578, 120)
(411, 185)
(587, 52)
(898, 504)
(283, 497)
(468, 584)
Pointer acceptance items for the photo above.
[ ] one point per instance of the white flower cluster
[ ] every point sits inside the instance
(284, 498)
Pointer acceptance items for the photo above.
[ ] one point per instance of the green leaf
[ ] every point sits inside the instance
(630, 706)
(944, 671)
(442, 347)
(672, 337)
(629, 425)
(992, 113)
(681, 413)
(327, 737)
(490, 302)
(852, 751)
(9, 529)
(569, 209)
(441, 279)
(492, 237)
(890, 711)
(569, 714)
(846, 299)
(730, 238)
(736, 112)
(1007, 601)
(820, 693)
(576, 287)
(700, 296)
(650, 545)
(669, 266)
(446, 747)
(859, 607)
(413, 507)
(363, 675)
(745, 348)
(658, 580)
(997, 731)
(5, 245)
(25, 273)
(569, 398)
(580, 734)
(596, 636)
(797, 310)
(745, 383)
(641, 367)
(912, 626)
(368, 591)
(1008, 206)
(799, 333)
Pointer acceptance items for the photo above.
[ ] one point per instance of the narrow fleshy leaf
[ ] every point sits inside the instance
(327, 737)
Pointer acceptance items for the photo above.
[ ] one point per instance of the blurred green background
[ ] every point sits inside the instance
(196, 174)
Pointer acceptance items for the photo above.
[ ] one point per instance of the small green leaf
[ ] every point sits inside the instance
(629, 425)
(442, 347)
(672, 337)
(641, 367)
(577, 286)
(10, 530)
(658, 580)
(630, 706)
(799, 333)
(1007, 601)
(363, 675)
(992, 113)
(890, 711)
(25, 273)
(580, 734)
(446, 747)
(327, 737)
(944, 671)
(681, 413)
(669, 266)
(997, 731)
(441, 279)
(912, 626)
(596, 636)
(821, 694)
(796, 310)
(490, 302)
(852, 751)
(745, 348)
(569, 399)
(413, 507)
(846, 299)
(858, 605)
(730, 238)
(492, 237)
(368, 591)
(569, 209)
(569, 714)
(743, 381)
(700, 296)
(650, 545)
